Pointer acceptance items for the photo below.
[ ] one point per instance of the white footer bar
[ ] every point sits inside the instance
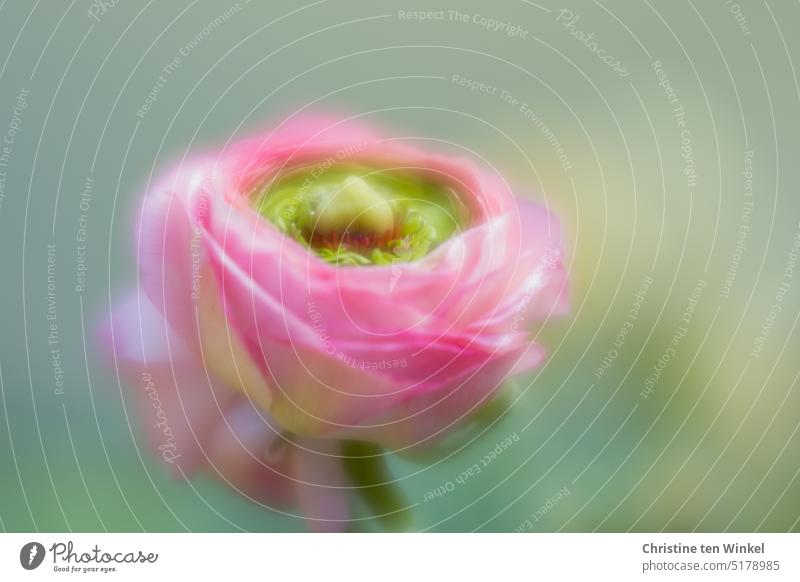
(386, 557)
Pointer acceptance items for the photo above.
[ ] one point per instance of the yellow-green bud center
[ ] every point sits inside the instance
(355, 207)
(358, 215)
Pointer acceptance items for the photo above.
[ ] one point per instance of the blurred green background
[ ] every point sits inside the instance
(674, 171)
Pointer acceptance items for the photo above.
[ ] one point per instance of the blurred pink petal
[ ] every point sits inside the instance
(322, 488)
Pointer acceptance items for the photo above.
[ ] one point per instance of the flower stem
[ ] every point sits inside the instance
(365, 464)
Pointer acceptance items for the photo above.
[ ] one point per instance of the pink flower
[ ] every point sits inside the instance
(260, 344)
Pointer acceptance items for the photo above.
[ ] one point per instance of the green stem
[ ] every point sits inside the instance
(366, 466)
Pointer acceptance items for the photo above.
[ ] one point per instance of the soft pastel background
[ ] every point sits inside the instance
(715, 446)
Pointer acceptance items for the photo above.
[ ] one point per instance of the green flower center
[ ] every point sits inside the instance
(359, 215)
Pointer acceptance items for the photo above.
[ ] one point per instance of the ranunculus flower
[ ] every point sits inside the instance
(319, 294)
